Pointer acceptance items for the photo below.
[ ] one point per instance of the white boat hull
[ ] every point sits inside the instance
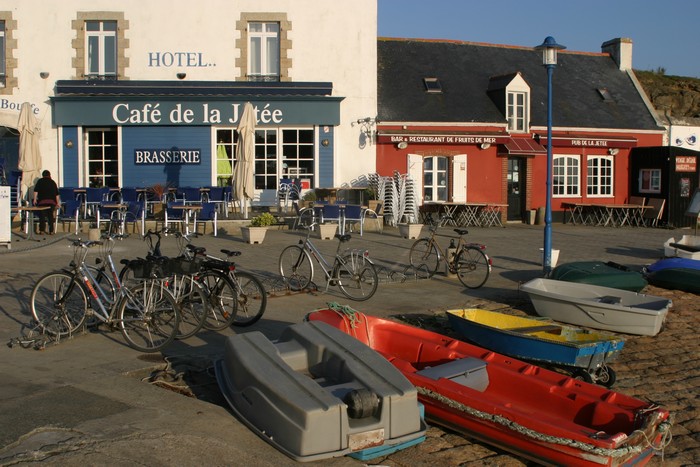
(598, 307)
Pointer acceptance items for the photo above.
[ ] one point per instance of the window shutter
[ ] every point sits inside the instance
(459, 178)
(415, 172)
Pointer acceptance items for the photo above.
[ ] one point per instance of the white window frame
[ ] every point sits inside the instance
(439, 193)
(600, 176)
(571, 186)
(104, 162)
(654, 178)
(100, 55)
(267, 54)
(517, 111)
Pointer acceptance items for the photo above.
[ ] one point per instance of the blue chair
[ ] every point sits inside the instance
(136, 212)
(208, 213)
(331, 213)
(93, 198)
(353, 214)
(175, 215)
(110, 216)
(130, 195)
(67, 193)
(69, 211)
(189, 194)
(217, 194)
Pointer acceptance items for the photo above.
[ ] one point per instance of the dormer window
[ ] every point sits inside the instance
(517, 112)
(511, 94)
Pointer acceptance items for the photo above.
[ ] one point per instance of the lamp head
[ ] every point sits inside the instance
(549, 50)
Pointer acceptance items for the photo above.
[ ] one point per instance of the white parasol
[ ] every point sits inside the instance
(29, 156)
(243, 177)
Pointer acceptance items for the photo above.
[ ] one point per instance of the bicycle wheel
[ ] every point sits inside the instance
(193, 301)
(472, 267)
(356, 277)
(154, 323)
(296, 268)
(252, 299)
(223, 305)
(58, 304)
(424, 254)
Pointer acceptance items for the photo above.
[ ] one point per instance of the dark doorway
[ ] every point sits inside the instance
(516, 188)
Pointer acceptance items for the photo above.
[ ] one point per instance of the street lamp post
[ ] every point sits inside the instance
(549, 59)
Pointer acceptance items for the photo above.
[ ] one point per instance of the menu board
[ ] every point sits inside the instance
(694, 207)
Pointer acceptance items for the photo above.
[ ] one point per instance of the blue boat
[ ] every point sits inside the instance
(674, 263)
(581, 352)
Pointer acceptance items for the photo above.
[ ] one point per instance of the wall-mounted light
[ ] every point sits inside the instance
(69, 143)
(485, 145)
(613, 151)
(402, 145)
(325, 142)
(181, 75)
(44, 74)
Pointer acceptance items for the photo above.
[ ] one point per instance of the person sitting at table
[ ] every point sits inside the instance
(46, 194)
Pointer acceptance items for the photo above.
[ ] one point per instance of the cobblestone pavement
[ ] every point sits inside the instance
(88, 399)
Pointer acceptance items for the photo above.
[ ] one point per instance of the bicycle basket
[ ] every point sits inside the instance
(145, 269)
(182, 265)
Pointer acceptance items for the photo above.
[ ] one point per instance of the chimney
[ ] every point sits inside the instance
(620, 50)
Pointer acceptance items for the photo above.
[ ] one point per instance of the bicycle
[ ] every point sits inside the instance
(352, 270)
(146, 313)
(469, 261)
(239, 298)
(180, 276)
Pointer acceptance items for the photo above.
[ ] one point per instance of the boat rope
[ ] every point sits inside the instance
(346, 312)
(664, 428)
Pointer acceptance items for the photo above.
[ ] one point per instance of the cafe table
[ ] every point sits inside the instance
(29, 212)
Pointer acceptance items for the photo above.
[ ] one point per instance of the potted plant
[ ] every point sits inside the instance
(255, 232)
(155, 195)
(309, 198)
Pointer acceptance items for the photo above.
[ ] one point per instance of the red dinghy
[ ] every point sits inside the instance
(532, 412)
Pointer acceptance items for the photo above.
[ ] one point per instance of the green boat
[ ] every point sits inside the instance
(685, 279)
(607, 274)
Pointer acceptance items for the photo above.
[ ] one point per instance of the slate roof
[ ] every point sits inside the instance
(466, 69)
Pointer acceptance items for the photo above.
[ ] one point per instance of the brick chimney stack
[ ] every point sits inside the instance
(620, 50)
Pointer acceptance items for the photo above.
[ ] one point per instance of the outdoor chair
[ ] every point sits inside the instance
(69, 211)
(652, 216)
(175, 216)
(331, 213)
(136, 212)
(353, 215)
(375, 214)
(208, 213)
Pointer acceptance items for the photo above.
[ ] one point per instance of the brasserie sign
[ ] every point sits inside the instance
(173, 156)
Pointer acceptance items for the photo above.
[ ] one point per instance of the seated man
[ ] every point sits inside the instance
(46, 194)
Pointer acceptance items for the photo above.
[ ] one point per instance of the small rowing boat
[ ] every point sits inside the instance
(585, 354)
(607, 274)
(598, 307)
(533, 412)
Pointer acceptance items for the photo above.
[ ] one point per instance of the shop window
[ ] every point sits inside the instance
(565, 176)
(517, 111)
(599, 180)
(264, 44)
(650, 181)
(266, 153)
(298, 152)
(435, 179)
(102, 149)
(100, 45)
(226, 140)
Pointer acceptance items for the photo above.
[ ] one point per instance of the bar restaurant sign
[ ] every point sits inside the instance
(686, 164)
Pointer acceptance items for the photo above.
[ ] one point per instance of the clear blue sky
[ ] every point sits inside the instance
(665, 34)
